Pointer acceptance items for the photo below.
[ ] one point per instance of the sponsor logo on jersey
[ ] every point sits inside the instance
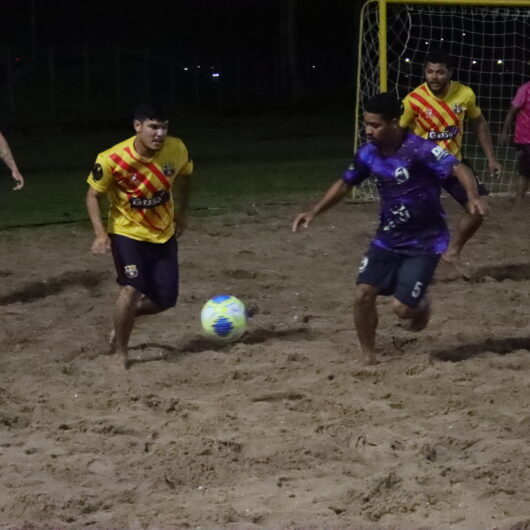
(168, 170)
(448, 134)
(428, 113)
(402, 175)
(131, 271)
(458, 109)
(439, 153)
(160, 197)
(97, 172)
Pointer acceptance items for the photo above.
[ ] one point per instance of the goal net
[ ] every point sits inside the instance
(491, 50)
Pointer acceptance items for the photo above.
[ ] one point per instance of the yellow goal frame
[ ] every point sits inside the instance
(382, 37)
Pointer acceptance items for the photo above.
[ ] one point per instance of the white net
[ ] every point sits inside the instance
(491, 49)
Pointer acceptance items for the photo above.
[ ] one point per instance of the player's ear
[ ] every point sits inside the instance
(137, 124)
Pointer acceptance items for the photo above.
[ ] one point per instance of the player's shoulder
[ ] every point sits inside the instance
(460, 88)
(366, 150)
(420, 90)
(117, 148)
(174, 141)
(420, 146)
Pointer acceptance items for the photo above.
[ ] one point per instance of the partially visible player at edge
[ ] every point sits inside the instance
(436, 110)
(7, 156)
(520, 110)
(140, 177)
(412, 231)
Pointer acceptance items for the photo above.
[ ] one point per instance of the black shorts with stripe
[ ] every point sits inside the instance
(151, 268)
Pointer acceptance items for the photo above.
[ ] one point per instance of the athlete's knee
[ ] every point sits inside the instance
(129, 294)
(400, 309)
(365, 295)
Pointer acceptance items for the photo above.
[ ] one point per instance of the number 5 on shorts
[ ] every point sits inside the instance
(416, 291)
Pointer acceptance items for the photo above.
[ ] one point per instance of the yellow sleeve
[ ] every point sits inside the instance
(100, 177)
(408, 117)
(473, 110)
(187, 168)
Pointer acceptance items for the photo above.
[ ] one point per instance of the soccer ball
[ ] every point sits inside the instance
(224, 317)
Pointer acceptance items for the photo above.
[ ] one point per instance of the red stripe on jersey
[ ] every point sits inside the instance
(422, 120)
(125, 165)
(445, 106)
(144, 213)
(151, 167)
(427, 125)
(426, 105)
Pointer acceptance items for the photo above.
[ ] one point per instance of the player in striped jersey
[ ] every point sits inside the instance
(140, 177)
(436, 110)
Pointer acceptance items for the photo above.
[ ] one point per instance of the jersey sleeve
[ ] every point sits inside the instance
(100, 177)
(439, 160)
(407, 118)
(520, 97)
(357, 171)
(186, 169)
(473, 110)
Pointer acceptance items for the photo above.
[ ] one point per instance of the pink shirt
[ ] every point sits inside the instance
(522, 120)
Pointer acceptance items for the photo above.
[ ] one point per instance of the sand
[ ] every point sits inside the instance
(285, 428)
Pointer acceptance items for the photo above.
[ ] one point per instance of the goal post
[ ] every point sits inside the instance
(490, 44)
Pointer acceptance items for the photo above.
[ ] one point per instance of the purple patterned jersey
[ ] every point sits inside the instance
(412, 220)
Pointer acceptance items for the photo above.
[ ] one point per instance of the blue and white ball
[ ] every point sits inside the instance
(224, 317)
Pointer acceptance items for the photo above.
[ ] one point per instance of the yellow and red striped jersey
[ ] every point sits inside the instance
(140, 190)
(440, 119)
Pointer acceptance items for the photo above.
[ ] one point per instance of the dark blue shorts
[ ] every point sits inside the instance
(151, 268)
(405, 277)
(452, 186)
(523, 159)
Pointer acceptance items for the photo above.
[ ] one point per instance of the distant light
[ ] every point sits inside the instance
(474, 62)
(442, 38)
(407, 60)
(185, 68)
(426, 42)
(313, 66)
(499, 61)
(464, 34)
(216, 74)
(198, 66)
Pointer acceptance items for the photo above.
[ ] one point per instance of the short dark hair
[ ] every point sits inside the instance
(388, 106)
(440, 57)
(151, 111)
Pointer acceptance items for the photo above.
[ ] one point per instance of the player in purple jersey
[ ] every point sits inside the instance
(412, 232)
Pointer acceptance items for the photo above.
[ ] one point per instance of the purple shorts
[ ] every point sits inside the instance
(151, 268)
(405, 277)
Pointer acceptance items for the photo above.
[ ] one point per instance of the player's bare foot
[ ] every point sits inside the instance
(122, 360)
(112, 341)
(420, 321)
(463, 269)
(369, 359)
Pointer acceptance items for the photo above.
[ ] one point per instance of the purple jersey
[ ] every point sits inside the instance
(412, 220)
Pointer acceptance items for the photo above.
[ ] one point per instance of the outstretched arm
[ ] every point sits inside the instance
(335, 194)
(474, 204)
(482, 131)
(101, 241)
(7, 156)
(504, 138)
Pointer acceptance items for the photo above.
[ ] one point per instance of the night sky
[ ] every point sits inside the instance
(205, 25)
